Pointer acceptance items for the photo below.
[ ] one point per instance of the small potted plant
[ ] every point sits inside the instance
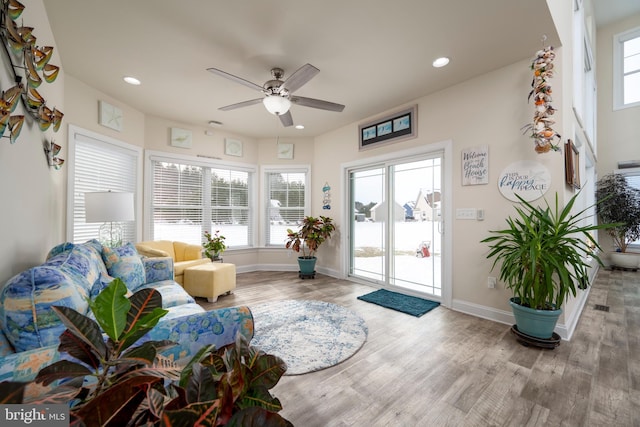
(543, 255)
(619, 202)
(214, 245)
(307, 239)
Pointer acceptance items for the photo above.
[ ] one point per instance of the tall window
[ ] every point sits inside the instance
(189, 197)
(626, 68)
(99, 163)
(287, 201)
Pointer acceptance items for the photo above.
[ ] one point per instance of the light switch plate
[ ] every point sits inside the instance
(466, 213)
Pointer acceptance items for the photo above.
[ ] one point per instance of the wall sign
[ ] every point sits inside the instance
(475, 165)
(528, 179)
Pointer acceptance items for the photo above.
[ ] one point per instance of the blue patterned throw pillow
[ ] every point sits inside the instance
(125, 263)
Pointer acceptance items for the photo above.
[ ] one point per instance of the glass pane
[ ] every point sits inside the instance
(632, 63)
(286, 204)
(632, 47)
(416, 219)
(368, 224)
(632, 88)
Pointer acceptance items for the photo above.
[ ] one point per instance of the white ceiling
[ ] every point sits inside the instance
(372, 55)
(608, 11)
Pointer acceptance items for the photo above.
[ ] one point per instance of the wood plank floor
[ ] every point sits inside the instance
(451, 369)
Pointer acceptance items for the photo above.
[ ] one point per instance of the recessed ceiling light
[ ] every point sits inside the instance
(441, 62)
(132, 80)
(299, 127)
(215, 123)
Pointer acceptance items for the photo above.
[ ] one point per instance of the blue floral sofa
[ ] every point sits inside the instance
(73, 273)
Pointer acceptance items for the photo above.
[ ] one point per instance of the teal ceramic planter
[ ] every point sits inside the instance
(307, 265)
(535, 323)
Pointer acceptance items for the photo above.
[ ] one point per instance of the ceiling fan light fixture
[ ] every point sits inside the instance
(276, 105)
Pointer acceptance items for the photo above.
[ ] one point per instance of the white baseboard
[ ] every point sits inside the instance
(284, 267)
(564, 330)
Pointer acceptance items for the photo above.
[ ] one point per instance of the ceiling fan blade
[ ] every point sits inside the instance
(300, 77)
(236, 79)
(286, 119)
(241, 104)
(317, 103)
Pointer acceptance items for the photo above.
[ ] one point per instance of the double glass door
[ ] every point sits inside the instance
(396, 224)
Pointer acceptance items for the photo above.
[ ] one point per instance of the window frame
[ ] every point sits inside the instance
(266, 201)
(152, 156)
(76, 133)
(631, 172)
(618, 68)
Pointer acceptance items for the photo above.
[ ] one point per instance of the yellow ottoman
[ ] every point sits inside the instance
(210, 280)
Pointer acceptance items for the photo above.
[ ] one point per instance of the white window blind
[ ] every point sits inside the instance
(100, 165)
(230, 206)
(188, 199)
(286, 203)
(177, 202)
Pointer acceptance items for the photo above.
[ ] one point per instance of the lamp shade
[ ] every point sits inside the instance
(108, 206)
(276, 104)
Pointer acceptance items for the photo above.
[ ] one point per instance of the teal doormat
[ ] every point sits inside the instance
(404, 303)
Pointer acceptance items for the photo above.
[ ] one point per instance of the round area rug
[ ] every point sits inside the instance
(307, 335)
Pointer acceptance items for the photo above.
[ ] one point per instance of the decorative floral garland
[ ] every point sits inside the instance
(541, 130)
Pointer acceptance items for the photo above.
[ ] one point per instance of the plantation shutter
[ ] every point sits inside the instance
(100, 165)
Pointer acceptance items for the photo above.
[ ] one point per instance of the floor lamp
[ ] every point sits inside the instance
(110, 208)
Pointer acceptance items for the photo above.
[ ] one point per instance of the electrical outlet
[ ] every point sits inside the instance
(491, 282)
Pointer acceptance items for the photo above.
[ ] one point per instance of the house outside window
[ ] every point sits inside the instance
(286, 201)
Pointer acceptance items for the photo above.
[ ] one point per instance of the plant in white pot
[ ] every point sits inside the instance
(307, 239)
(619, 202)
(543, 258)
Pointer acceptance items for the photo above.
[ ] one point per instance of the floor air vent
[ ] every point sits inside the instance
(602, 307)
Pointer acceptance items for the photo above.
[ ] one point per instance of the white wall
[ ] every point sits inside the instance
(490, 110)
(32, 195)
(618, 130)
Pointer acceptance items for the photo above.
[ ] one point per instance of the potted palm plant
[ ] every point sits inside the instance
(619, 202)
(307, 239)
(543, 255)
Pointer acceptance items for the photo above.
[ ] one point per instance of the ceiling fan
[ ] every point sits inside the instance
(279, 94)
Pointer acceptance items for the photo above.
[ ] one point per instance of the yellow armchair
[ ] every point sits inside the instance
(184, 254)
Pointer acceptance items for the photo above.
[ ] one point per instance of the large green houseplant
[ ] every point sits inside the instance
(619, 202)
(543, 258)
(307, 239)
